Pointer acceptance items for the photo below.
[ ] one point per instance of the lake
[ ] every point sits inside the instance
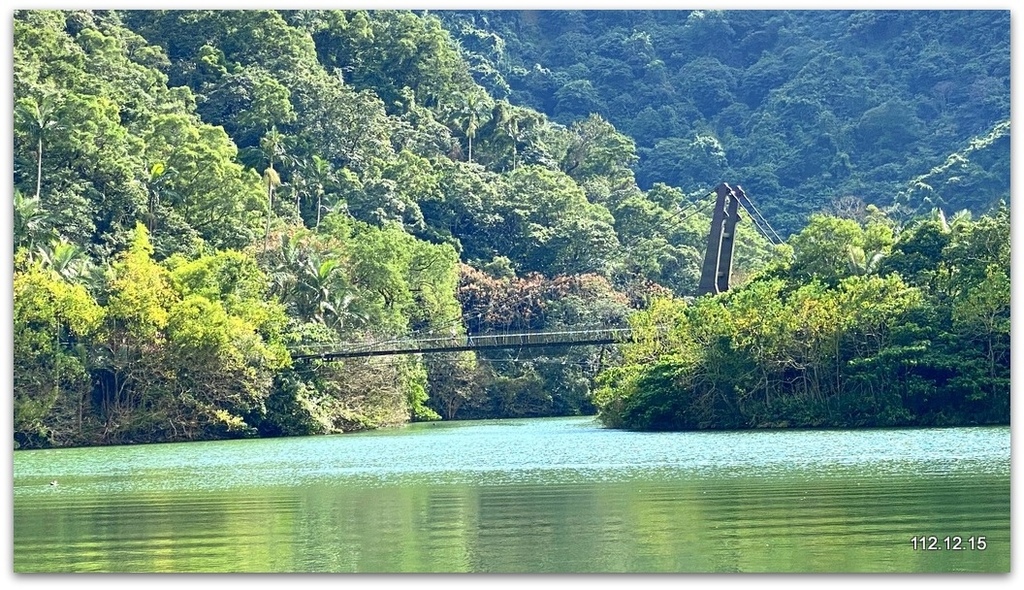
(531, 495)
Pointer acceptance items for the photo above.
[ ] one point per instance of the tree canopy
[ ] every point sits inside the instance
(199, 193)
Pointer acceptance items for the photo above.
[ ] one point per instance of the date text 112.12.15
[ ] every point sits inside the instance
(948, 543)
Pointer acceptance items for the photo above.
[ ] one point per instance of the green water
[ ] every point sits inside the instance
(545, 495)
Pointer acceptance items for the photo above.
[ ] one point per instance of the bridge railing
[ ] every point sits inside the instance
(462, 342)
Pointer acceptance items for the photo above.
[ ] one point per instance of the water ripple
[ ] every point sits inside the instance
(508, 451)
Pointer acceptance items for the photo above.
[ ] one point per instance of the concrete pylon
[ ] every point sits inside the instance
(714, 275)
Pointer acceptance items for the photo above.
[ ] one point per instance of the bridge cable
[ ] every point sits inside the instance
(762, 224)
(679, 216)
(464, 321)
(689, 207)
(679, 223)
(768, 225)
(760, 230)
(676, 220)
(695, 208)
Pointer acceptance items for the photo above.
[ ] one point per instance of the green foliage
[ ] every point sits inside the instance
(543, 222)
(218, 203)
(826, 343)
(54, 320)
(197, 192)
(800, 107)
(175, 353)
(825, 249)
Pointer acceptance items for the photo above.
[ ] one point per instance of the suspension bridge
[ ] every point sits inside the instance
(715, 275)
(457, 343)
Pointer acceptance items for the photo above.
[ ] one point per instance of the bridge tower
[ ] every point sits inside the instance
(714, 275)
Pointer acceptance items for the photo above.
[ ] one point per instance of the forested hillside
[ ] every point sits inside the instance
(196, 193)
(809, 110)
(860, 327)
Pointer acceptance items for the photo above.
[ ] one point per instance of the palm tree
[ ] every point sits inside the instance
(271, 180)
(159, 177)
(939, 216)
(287, 146)
(283, 283)
(862, 262)
(474, 110)
(95, 278)
(319, 279)
(508, 120)
(324, 294)
(272, 147)
(66, 259)
(320, 176)
(959, 219)
(39, 117)
(31, 221)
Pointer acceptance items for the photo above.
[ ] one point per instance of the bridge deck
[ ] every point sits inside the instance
(462, 343)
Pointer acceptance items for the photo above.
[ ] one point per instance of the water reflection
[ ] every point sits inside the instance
(548, 495)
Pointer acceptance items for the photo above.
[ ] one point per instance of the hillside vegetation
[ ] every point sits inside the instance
(197, 193)
(809, 110)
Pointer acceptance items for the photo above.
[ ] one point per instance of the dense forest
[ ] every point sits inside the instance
(807, 108)
(198, 194)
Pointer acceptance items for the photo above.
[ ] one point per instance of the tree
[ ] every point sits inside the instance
(54, 324)
(473, 110)
(982, 317)
(824, 248)
(128, 360)
(32, 222)
(544, 223)
(202, 192)
(456, 383)
(68, 260)
(597, 149)
(509, 121)
(692, 164)
(272, 147)
(323, 294)
(249, 103)
(577, 99)
(321, 178)
(40, 117)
